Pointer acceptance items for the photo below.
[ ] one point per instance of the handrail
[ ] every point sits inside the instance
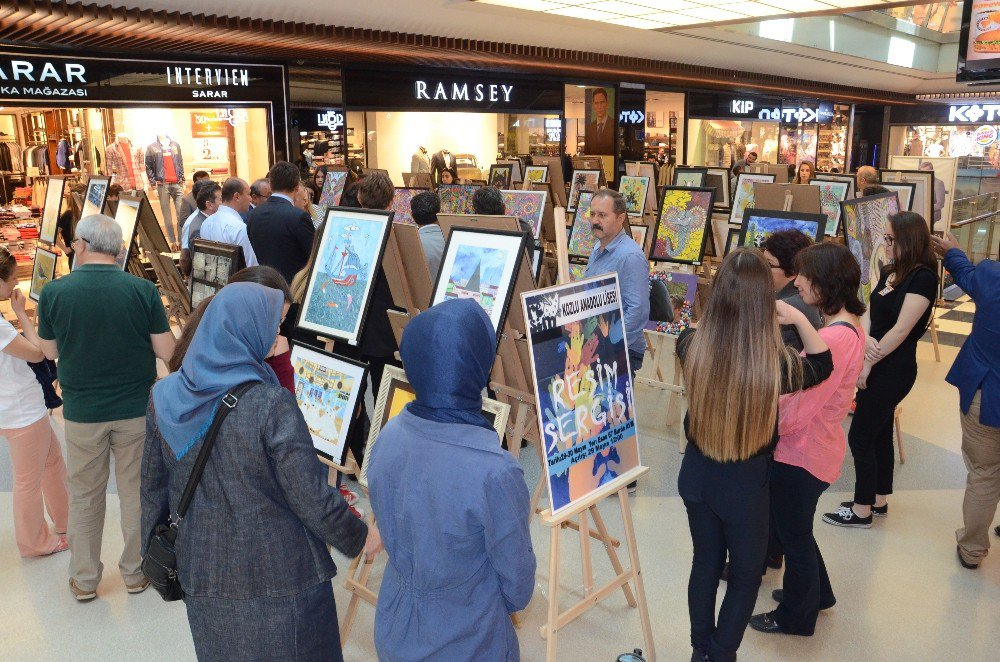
(974, 219)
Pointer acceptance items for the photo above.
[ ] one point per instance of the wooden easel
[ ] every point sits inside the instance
(405, 268)
(627, 579)
(655, 343)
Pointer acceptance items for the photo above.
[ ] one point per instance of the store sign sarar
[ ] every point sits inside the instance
(33, 77)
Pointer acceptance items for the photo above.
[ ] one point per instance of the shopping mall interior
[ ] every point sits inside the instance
(539, 489)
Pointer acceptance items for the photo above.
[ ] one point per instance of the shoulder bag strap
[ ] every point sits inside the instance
(228, 403)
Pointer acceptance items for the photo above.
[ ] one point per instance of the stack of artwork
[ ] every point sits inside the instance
(333, 188)
(683, 225)
(864, 232)
(634, 190)
(400, 208)
(583, 180)
(526, 205)
(831, 194)
(582, 385)
(457, 198)
(759, 224)
(743, 196)
(684, 286)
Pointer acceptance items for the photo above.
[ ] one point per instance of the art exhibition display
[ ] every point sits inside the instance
(581, 239)
(583, 180)
(905, 191)
(679, 285)
(689, 176)
(481, 265)
(718, 178)
(457, 198)
(501, 175)
(43, 272)
(759, 224)
(864, 221)
(583, 386)
(333, 188)
(127, 216)
(55, 188)
(837, 177)
(97, 193)
(944, 171)
(341, 282)
(683, 225)
(831, 194)
(526, 205)
(634, 190)
(212, 265)
(151, 235)
(327, 389)
(743, 195)
(401, 199)
(922, 199)
(732, 239)
(516, 168)
(535, 175)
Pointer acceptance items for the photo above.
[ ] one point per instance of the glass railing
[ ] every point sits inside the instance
(975, 222)
(944, 17)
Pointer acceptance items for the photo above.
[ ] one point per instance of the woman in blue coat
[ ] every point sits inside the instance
(451, 504)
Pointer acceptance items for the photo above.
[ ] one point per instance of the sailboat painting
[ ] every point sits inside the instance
(341, 281)
(480, 265)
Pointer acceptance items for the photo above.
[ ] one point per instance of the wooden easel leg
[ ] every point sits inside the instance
(552, 629)
(616, 564)
(934, 341)
(640, 590)
(352, 606)
(536, 496)
(517, 431)
(588, 566)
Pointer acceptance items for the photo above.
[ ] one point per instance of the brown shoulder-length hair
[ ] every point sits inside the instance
(835, 276)
(911, 247)
(734, 363)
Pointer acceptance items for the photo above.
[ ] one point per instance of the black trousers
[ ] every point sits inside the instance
(728, 509)
(794, 495)
(870, 437)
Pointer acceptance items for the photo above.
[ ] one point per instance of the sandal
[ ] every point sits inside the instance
(61, 547)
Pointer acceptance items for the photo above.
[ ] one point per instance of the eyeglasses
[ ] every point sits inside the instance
(889, 239)
(86, 241)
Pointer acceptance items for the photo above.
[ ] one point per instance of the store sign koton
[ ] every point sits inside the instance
(974, 112)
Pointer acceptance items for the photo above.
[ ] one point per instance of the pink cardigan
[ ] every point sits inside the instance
(810, 422)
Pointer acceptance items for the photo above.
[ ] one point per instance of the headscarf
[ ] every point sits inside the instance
(448, 352)
(228, 349)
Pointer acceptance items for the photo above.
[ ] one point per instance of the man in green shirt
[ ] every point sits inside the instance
(107, 328)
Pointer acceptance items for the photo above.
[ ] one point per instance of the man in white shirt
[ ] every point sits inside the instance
(226, 224)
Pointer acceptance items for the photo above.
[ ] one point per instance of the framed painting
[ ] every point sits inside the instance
(718, 178)
(831, 194)
(501, 175)
(151, 232)
(327, 388)
(44, 271)
(759, 224)
(97, 193)
(864, 221)
(127, 216)
(515, 173)
(333, 188)
(481, 265)
(943, 171)
(340, 285)
(395, 392)
(682, 289)
(457, 198)
(732, 239)
(212, 265)
(683, 225)
(401, 199)
(535, 174)
(583, 180)
(577, 271)
(581, 239)
(55, 189)
(850, 180)
(526, 205)
(581, 458)
(743, 195)
(639, 232)
(690, 177)
(905, 191)
(634, 190)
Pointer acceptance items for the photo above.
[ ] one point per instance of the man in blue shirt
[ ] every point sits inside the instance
(976, 373)
(616, 252)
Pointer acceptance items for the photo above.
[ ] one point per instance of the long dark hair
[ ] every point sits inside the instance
(912, 245)
(8, 264)
(835, 276)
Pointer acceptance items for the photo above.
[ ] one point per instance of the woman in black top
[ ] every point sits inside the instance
(732, 428)
(898, 314)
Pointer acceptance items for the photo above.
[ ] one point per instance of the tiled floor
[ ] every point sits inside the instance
(901, 594)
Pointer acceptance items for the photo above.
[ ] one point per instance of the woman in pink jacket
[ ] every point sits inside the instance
(812, 444)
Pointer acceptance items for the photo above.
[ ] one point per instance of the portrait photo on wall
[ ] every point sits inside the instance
(683, 225)
(599, 116)
(759, 224)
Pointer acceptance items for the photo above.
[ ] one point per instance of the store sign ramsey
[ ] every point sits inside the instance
(21, 77)
(480, 92)
(974, 112)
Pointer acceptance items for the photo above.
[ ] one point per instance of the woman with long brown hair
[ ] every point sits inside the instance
(731, 426)
(805, 173)
(898, 314)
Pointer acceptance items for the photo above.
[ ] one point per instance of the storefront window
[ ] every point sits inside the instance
(664, 126)
(720, 143)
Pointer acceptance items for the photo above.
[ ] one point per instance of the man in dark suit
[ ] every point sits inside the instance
(282, 234)
(599, 137)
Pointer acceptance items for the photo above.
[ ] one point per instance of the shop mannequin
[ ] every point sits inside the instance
(421, 160)
(165, 170)
(443, 160)
(125, 164)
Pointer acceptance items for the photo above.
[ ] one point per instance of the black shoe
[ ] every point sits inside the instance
(965, 564)
(847, 517)
(779, 594)
(765, 623)
(997, 530)
(774, 562)
(698, 655)
(877, 511)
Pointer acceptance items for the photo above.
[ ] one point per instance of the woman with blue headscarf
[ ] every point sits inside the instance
(452, 505)
(251, 552)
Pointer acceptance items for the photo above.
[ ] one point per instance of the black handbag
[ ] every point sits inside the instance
(159, 565)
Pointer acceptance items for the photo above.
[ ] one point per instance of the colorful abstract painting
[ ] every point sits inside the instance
(327, 389)
(333, 189)
(583, 180)
(681, 230)
(583, 386)
(864, 231)
(577, 271)
(535, 175)
(581, 239)
(634, 190)
(743, 195)
(526, 205)
(457, 198)
(759, 225)
(341, 281)
(684, 287)
(401, 200)
(831, 194)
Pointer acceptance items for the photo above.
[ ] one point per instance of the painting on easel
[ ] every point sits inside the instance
(583, 386)
(333, 188)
